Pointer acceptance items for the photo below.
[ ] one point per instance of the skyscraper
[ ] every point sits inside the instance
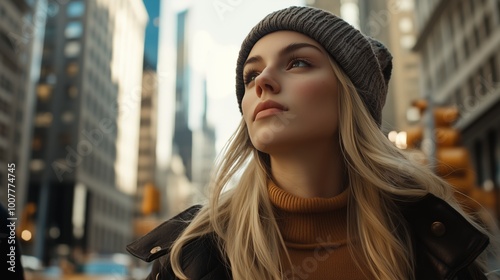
(22, 24)
(181, 96)
(84, 160)
(146, 172)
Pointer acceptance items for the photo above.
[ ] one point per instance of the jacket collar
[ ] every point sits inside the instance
(444, 242)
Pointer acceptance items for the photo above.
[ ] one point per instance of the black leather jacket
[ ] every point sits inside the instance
(445, 244)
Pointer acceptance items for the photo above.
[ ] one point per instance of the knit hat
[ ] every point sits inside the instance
(366, 61)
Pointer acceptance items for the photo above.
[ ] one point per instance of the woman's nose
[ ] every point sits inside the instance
(266, 82)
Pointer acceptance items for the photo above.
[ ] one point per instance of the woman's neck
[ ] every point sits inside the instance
(316, 171)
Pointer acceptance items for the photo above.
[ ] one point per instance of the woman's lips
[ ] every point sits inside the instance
(268, 108)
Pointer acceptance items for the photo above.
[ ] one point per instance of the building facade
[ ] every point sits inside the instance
(146, 169)
(22, 25)
(84, 148)
(459, 42)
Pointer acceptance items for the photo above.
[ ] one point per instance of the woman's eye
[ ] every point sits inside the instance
(250, 77)
(299, 63)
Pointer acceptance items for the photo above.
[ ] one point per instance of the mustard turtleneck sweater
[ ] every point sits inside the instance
(315, 234)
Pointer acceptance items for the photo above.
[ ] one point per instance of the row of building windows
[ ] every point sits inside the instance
(73, 8)
(483, 82)
(10, 21)
(105, 240)
(487, 159)
(91, 163)
(4, 130)
(99, 64)
(5, 107)
(6, 84)
(3, 155)
(455, 40)
(98, 106)
(98, 168)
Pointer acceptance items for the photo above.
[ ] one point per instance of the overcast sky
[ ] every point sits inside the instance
(219, 27)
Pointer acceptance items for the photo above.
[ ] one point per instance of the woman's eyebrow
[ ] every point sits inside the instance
(286, 50)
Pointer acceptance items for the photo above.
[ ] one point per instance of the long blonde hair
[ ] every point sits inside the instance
(379, 176)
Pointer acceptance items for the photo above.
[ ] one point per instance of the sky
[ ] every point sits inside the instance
(151, 42)
(218, 29)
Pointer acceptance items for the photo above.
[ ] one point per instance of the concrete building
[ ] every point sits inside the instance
(332, 6)
(84, 148)
(22, 25)
(146, 170)
(459, 42)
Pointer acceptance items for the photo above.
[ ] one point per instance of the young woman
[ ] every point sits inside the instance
(323, 194)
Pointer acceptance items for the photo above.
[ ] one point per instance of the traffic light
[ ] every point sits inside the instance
(454, 163)
(150, 199)
(452, 160)
(415, 133)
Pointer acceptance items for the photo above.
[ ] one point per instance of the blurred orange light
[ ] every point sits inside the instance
(26, 235)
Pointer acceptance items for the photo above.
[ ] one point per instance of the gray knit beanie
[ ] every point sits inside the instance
(366, 61)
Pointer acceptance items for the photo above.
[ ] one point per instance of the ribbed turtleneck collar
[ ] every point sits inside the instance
(309, 222)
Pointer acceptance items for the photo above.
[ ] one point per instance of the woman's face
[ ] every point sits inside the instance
(291, 95)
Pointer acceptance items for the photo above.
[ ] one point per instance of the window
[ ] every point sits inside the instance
(406, 5)
(67, 117)
(494, 70)
(72, 91)
(466, 48)
(44, 92)
(73, 30)
(407, 41)
(72, 69)
(37, 142)
(43, 119)
(72, 49)
(450, 23)
(52, 9)
(486, 25)
(3, 130)
(4, 106)
(405, 25)
(37, 165)
(3, 154)
(65, 139)
(75, 9)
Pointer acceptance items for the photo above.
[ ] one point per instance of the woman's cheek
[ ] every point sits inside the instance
(311, 93)
(245, 107)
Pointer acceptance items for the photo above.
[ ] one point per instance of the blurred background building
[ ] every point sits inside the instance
(84, 147)
(22, 27)
(459, 42)
(185, 167)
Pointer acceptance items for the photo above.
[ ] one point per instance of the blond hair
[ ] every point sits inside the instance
(379, 176)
